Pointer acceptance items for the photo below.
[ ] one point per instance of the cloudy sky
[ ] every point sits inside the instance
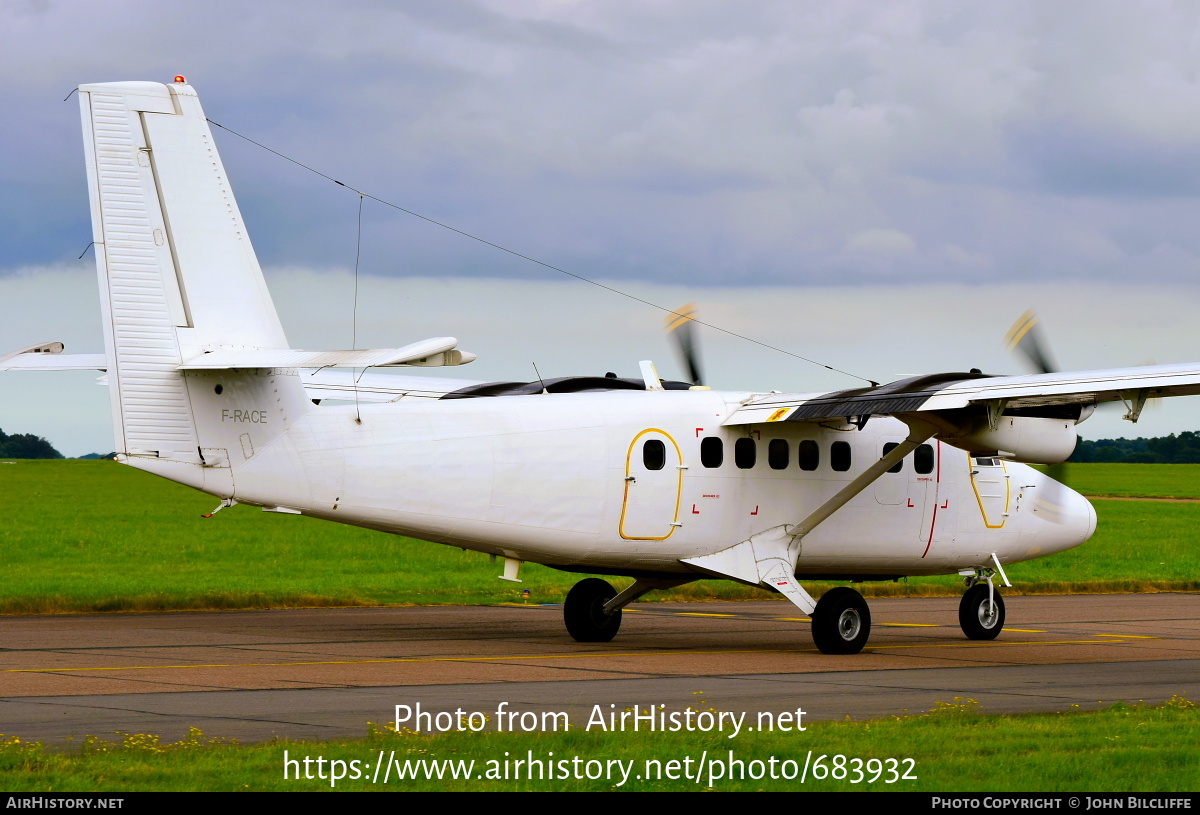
(882, 186)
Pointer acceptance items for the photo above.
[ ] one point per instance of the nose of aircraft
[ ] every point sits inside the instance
(1082, 516)
(1062, 518)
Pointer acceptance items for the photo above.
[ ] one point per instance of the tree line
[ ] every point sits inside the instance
(1172, 449)
(26, 445)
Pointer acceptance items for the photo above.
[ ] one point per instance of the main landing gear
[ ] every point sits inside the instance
(841, 622)
(584, 613)
(592, 610)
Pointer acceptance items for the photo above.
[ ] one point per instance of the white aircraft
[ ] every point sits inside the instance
(663, 482)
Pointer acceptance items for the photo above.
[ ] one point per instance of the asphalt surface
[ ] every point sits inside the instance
(326, 673)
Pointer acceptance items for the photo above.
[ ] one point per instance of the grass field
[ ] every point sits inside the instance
(1119, 749)
(96, 536)
(1136, 480)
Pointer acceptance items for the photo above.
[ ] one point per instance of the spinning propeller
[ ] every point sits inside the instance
(1025, 338)
(681, 329)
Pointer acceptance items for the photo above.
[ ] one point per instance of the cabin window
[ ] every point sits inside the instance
(712, 452)
(923, 459)
(745, 453)
(899, 465)
(777, 454)
(839, 456)
(810, 455)
(654, 454)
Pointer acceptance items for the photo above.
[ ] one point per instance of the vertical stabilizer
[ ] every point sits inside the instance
(178, 276)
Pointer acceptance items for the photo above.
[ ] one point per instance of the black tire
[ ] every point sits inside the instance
(584, 614)
(979, 622)
(841, 622)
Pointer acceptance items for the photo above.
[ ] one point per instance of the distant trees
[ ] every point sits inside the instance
(26, 445)
(1172, 449)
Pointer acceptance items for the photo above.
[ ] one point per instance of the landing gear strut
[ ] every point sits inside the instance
(583, 611)
(841, 622)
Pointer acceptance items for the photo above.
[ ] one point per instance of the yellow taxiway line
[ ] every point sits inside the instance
(605, 655)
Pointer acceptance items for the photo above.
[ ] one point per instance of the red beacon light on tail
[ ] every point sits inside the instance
(182, 80)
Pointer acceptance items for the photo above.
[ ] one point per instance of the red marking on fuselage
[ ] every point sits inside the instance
(937, 486)
(910, 503)
(694, 510)
(755, 512)
(699, 430)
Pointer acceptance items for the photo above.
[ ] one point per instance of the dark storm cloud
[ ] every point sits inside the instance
(706, 142)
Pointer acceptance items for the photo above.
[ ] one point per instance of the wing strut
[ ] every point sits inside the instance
(641, 586)
(769, 558)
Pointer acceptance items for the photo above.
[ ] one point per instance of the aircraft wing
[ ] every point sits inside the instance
(953, 391)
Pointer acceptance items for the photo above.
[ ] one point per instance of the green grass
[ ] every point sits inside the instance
(1120, 749)
(1136, 480)
(97, 536)
(1138, 545)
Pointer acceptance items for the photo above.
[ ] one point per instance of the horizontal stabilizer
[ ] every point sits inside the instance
(380, 387)
(429, 353)
(49, 356)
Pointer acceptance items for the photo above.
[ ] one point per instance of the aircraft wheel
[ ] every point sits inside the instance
(979, 619)
(584, 614)
(841, 622)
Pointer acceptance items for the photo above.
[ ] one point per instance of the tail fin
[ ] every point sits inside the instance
(178, 276)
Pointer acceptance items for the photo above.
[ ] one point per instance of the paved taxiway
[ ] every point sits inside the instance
(325, 673)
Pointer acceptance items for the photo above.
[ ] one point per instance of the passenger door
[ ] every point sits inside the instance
(653, 486)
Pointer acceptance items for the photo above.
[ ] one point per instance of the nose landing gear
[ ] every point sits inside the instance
(981, 610)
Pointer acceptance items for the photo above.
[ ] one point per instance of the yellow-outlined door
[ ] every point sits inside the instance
(989, 479)
(653, 487)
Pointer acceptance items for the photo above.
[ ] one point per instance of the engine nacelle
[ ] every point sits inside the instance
(1029, 439)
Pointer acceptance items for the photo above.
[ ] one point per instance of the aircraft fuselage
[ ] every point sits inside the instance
(635, 481)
